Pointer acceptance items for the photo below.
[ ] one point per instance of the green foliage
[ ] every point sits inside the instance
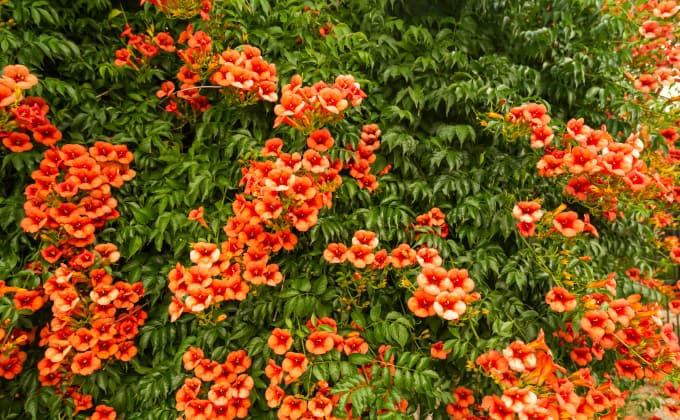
(431, 70)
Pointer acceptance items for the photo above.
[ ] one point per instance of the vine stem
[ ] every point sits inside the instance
(541, 263)
(192, 88)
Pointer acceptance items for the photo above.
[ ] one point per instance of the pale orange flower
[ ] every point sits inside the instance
(204, 254)
(320, 140)
(280, 341)
(421, 304)
(560, 300)
(22, 77)
(568, 224)
(335, 253)
(292, 408)
(295, 364)
(360, 255)
(8, 92)
(319, 342)
(403, 256)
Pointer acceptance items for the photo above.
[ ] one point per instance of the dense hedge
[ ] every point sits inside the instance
(438, 77)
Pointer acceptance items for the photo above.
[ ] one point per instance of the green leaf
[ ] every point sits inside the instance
(375, 314)
(360, 359)
(361, 399)
(31, 406)
(399, 334)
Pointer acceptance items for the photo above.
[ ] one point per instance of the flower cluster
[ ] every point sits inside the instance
(216, 390)
(242, 76)
(307, 108)
(246, 74)
(527, 214)
(627, 327)
(431, 223)
(21, 115)
(282, 192)
(360, 164)
(360, 254)
(81, 402)
(205, 284)
(464, 400)
(601, 173)
(321, 337)
(183, 9)
(445, 293)
(12, 358)
(566, 223)
(534, 386)
(655, 52)
(598, 322)
(607, 176)
(646, 348)
(536, 117)
(71, 197)
(142, 47)
(94, 317)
